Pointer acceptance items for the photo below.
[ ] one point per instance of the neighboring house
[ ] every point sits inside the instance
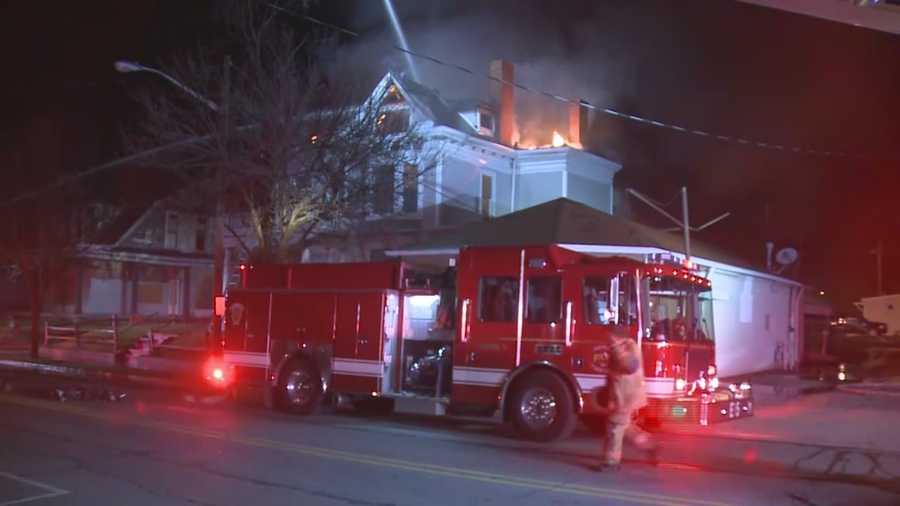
(151, 261)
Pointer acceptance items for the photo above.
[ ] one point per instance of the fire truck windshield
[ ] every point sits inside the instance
(677, 310)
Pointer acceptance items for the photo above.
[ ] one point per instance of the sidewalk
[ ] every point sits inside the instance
(177, 371)
(833, 435)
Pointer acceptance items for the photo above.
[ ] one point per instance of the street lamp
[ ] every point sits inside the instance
(219, 269)
(125, 66)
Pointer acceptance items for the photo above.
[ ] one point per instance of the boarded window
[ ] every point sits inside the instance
(498, 298)
(544, 300)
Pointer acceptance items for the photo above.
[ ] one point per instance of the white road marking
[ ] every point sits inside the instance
(51, 490)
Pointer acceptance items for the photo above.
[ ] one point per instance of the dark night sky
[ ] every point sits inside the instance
(714, 65)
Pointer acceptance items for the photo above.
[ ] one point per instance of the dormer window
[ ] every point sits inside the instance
(486, 125)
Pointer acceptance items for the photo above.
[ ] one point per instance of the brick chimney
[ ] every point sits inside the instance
(579, 122)
(503, 93)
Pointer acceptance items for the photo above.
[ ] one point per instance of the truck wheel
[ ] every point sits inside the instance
(541, 407)
(300, 388)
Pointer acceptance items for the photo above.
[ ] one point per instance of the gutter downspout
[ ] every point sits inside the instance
(515, 179)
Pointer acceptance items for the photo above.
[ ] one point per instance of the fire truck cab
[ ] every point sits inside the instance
(519, 331)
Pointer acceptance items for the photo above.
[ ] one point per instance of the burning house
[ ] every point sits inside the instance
(500, 179)
(485, 165)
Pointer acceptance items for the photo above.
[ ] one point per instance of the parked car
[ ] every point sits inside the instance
(850, 325)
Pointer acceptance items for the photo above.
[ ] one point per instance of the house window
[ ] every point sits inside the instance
(392, 122)
(486, 120)
(410, 189)
(393, 95)
(384, 189)
(497, 299)
(487, 195)
(171, 230)
(200, 243)
(544, 303)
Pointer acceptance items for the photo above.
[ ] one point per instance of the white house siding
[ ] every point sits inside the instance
(589, 191)
(201, 291)
(460, 183)
(502, 193)
(537, 188)
(103, 296)
(752, 318)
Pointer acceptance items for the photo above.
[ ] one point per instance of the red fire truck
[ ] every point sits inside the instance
(523, 332)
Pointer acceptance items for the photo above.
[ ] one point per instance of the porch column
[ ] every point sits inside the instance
(135, 279)
(123, 297)
(186, 293)
(79, 289)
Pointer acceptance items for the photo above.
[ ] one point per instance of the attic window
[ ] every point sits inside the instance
(393, 121)
(393, 95)
(486, 120)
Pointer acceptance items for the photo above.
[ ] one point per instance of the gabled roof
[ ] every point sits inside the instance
(564, 221)
(427, 102)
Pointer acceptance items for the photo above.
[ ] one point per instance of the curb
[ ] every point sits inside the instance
(97, 374)
(870, 389)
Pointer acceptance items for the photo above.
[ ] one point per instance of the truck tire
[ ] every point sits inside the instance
(300, 388)
(541, 407)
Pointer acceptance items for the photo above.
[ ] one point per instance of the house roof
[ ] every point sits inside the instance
(564, 221)
(429, 103)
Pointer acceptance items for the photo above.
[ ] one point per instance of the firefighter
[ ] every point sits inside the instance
(626, 397)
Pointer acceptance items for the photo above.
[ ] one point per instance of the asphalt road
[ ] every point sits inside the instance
(160, 449)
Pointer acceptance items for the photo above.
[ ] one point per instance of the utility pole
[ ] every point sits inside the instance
(687, 224)
(683, 224)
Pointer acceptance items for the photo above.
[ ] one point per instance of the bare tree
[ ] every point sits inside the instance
(294, 150)
(40, 237)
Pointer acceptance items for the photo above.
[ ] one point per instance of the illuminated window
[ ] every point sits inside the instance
(393, 122)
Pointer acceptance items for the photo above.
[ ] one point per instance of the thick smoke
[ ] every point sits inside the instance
(475, 34)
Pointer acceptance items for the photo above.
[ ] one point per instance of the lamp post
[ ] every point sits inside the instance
(125, 66)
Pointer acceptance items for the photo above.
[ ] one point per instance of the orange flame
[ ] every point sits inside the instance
(558, 140)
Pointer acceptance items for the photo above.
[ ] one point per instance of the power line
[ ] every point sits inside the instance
(99, 168)
(772, 146)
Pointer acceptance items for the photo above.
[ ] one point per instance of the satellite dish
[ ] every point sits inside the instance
(786, 256)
